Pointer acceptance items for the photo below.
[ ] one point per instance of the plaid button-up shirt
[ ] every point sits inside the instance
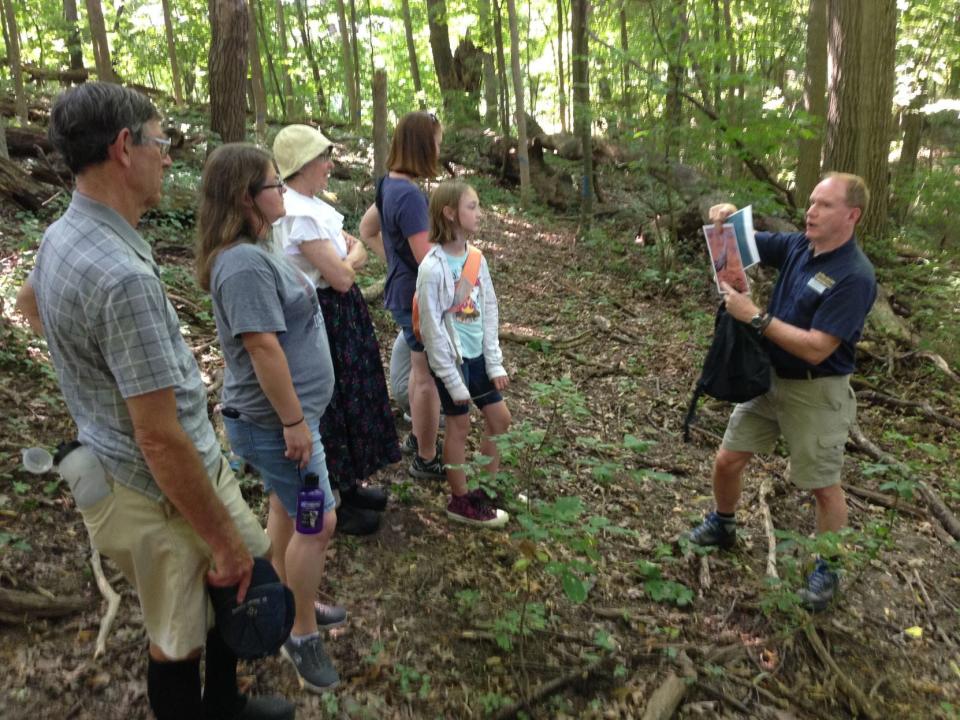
(113, 334)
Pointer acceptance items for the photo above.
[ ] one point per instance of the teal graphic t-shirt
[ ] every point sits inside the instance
(466, 311)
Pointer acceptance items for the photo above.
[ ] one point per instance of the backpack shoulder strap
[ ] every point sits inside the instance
(471, 268)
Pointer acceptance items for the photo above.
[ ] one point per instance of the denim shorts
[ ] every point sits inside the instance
(264, 449)
(481, 389)
(404, 318)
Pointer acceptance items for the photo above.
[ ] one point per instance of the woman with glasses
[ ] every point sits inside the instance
(359, 435)
(400, 216)
(278, 379)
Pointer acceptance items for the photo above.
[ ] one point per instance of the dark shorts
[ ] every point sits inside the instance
(404, 318)
(482, 391)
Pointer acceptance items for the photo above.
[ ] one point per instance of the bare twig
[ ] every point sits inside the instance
(854, 693)
(768, 528)
(113, 604)
(549, 688)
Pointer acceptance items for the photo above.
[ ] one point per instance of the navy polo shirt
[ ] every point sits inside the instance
(404, 215)
(832, 292)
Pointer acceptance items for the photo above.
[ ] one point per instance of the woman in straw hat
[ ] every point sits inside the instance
(358, 431)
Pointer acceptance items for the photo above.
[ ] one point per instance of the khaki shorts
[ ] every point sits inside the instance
(814, 417)
(165, 560)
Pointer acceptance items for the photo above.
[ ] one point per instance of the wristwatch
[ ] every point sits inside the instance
(760, 321)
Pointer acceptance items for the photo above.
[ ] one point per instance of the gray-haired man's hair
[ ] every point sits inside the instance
(86, 119)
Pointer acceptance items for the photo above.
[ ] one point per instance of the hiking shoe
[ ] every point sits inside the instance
(266, 707)
(330, 616)
(368, 497)
(821, 586)
(410, 446)
(352, 520)
(427, 469)
(714, 532)
(314, 668)
(472, 511)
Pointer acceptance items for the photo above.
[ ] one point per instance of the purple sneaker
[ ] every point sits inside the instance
(470, 510)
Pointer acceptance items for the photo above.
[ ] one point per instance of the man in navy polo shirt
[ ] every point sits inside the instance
(815, 317)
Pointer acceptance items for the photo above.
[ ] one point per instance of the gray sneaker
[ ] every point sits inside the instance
(314, 668)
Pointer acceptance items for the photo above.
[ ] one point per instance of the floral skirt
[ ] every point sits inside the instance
(358, 430)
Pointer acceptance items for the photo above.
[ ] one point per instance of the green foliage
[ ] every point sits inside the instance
(412, 682)
(518, 623)
(660, 589)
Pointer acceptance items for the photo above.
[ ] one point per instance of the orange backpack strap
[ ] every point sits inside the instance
(470, 274)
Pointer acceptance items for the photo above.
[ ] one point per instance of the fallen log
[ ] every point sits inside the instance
(17, 604)
(934, 504)
(20, 187)
(858, 699)
(666, 699)
(924, 408)
(24, 141)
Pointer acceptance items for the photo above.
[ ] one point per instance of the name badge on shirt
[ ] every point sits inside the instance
(820, 283)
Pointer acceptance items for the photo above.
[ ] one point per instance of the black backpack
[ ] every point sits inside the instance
(736, 369)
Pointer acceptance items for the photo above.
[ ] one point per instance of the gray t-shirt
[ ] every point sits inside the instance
(113, 334)
(253, 292)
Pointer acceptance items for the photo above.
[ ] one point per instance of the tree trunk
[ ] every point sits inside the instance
(490, 90)
(12, 37)
(412, 55)
(288, 109)
(308, 50)
(442, 55)
(353, 102)
(227, 63)
(256, 13)
(256, 79)
(355, 46)
(626, 104)
(172, 53)
(582, 120)
(861, 96)
(501, 69)
(98, 36)
(523, 157)
(675, 69)
(561, 75)
(73, 34)
(381, 136)
(814, 100)
(913, 124)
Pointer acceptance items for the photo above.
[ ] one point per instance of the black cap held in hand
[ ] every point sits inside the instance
(259, 625)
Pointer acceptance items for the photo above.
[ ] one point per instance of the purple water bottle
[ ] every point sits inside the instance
(310, 506)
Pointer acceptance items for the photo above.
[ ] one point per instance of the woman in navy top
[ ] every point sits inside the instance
(400, 216)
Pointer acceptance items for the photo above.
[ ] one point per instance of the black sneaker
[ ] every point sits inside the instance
(410, 446)
(329, 616)
(821, 586)
(714, 531)
(427, 469)
(315, 670)
(266, 707)
(367, 497)
(356, 521)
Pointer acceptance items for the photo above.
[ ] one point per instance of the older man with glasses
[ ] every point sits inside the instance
(162, 504)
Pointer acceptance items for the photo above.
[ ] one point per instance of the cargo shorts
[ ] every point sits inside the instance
(813, 416)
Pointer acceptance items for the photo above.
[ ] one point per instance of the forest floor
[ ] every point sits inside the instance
(450, 622)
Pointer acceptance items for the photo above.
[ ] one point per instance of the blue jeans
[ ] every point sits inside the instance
(404, 318)
(264, 448)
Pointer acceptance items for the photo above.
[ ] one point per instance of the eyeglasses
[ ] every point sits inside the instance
(162, 143)
(279, 185)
